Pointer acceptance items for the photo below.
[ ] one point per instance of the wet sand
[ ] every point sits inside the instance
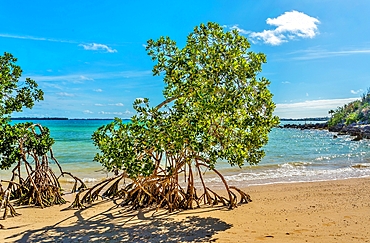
(330, 211)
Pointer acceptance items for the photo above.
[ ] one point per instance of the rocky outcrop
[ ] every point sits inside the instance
(306, 126)
(366, 132)
(359, 132)
(336, 128)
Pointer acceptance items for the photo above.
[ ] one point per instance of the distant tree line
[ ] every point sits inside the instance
(306, 119)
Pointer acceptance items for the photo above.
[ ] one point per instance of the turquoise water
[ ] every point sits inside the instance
(291, 155)
(73, 147)
(294, 155)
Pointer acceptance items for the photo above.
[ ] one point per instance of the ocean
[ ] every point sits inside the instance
(292, 155)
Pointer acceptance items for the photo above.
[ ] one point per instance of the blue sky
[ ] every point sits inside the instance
(90, 60)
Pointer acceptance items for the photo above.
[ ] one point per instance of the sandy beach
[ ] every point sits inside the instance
(330, 211)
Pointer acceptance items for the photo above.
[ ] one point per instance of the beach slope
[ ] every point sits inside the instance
(330, 211)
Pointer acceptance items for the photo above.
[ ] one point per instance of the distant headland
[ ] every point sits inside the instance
(306, 119)
(39, 118)
(59, 118)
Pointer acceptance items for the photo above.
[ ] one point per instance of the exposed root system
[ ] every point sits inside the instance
(33, 182)
(161, 190)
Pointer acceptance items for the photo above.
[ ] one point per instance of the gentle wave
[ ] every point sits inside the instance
(85, 180)
(292, 173)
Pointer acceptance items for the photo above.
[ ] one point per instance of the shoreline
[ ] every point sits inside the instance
(325, 211)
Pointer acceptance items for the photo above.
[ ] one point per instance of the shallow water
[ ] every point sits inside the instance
(292, 155)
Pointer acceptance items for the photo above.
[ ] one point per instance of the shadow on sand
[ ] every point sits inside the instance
(118, 226)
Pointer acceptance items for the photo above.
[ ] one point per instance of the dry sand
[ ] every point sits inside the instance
(333, 211)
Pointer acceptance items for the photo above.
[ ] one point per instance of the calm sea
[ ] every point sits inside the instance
(291, 156)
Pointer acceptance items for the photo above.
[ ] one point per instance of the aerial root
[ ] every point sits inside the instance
(77, 180)
(6, 205)
(155, 192)
(77, 202)
(244, 198)
(40, 188)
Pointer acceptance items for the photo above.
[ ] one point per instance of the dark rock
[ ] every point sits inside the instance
(336, 128)
(357, 138)
(366, 135)
(354, 130)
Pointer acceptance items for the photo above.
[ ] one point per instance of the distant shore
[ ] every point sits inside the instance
(126, 119)
(60, 118)
(328, 211)
(66, 118)
(306, 119)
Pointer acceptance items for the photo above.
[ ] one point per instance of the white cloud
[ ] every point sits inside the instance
(317, 53)
(54, 86)
(356, 91)
(99, 105)
(77, 78)
(65, 94)
(97, 47)
(240, 30)
(98, 90)
(290, 25)
(311, 108)
(28, 37)
(110, 113)
(117, 104)
(87, 112)
(269, 37)
(313, 104)
(82, 77)
(89, 46)
(285, 82)
(74, 78)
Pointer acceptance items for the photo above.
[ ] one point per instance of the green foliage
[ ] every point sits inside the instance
(14, 95)
(126, 147)
(353, 112)
(352, 118)
(337, 118)
(215, 108)
(22, 138)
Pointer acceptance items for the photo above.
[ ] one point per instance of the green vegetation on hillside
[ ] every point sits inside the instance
(355, 112)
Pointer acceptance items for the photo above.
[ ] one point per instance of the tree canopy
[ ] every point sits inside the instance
(13, 94)
(215, 108)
